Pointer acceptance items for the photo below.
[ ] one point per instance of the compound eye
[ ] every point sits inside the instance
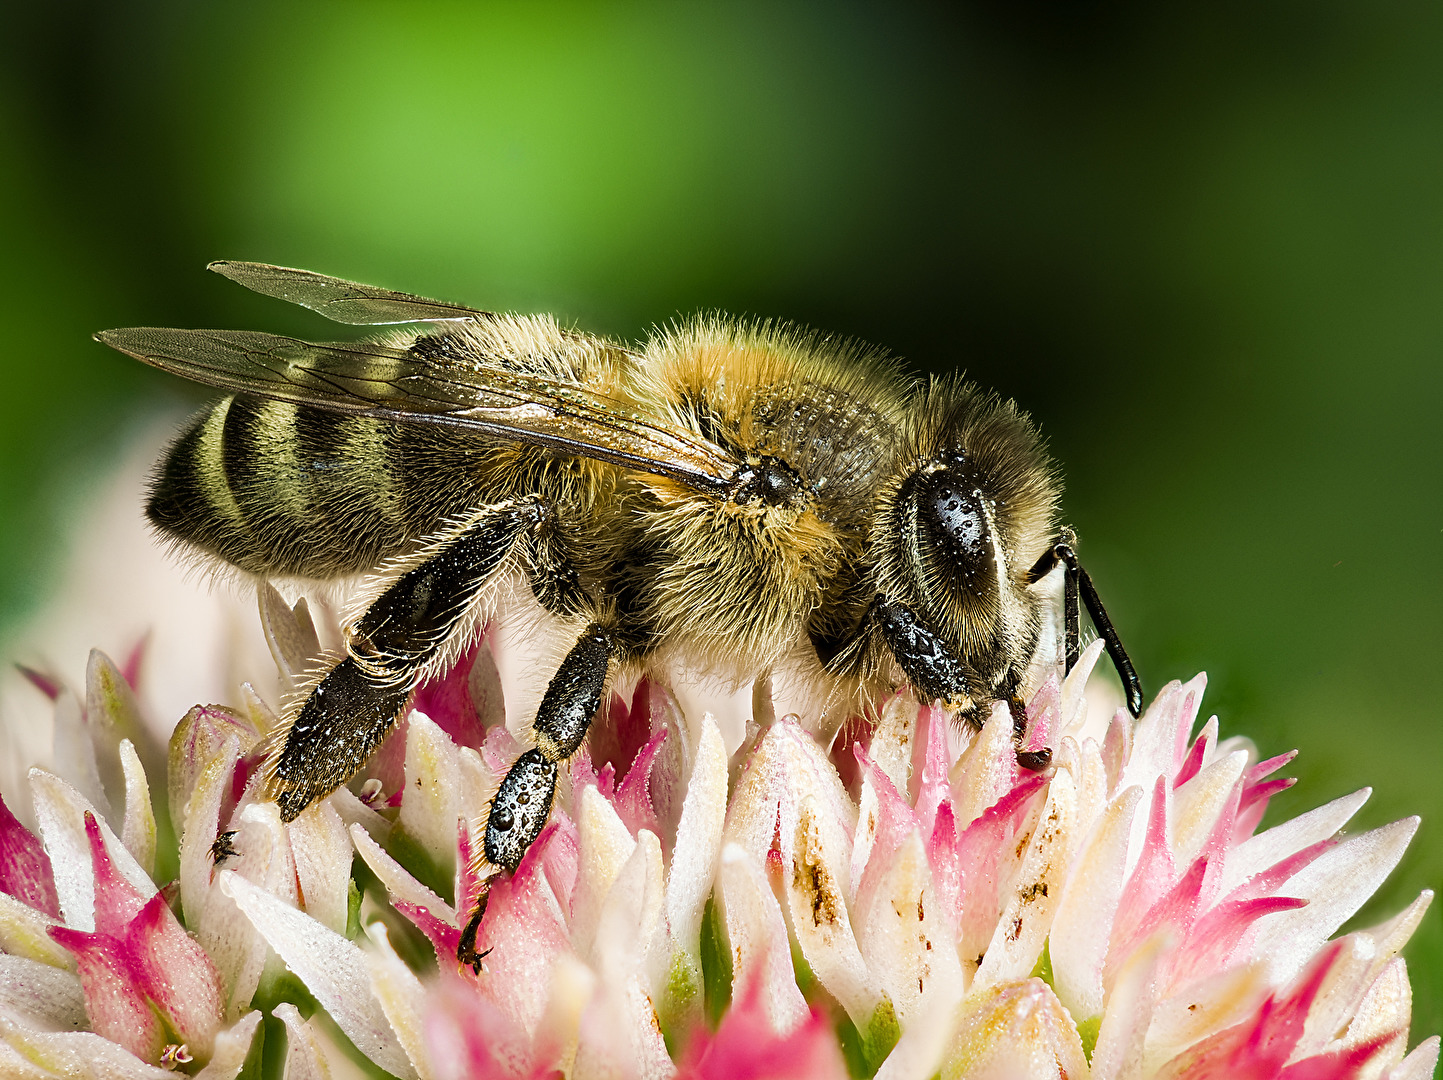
(957, 521)
(951, 509)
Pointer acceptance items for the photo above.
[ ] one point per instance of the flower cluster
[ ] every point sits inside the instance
(901, 901)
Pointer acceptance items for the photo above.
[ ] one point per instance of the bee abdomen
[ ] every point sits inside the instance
(276, 488)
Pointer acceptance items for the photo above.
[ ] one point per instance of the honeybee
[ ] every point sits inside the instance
(727, 496)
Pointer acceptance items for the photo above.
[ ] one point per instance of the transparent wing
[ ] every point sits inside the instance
(339, 300)
(368, 379)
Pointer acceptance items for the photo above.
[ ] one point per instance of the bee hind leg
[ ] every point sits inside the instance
(1077, 580)
(413, 622)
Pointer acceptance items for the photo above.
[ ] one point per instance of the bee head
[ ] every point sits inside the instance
(968, 509)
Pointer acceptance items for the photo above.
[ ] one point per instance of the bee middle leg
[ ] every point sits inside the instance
(571, 701)
(388, 648)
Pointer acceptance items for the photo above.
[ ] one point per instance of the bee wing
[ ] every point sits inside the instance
(339, 300)
(367, 379)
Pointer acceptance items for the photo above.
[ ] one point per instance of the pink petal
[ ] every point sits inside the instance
(1213, 943)
(1273, 878)
(115, 1005)
(633, 797)
(1192, 764)
(446, 699)
(1042, 714)
(470, 1038)
(746, 1047)
(895, 822)
(117, 901)
(988, 857)
(174, 972)
(1348, 1064)
(617, 737)
(933, 788)
(24, 867)
(524, 928)
(130, 670)
(1254, 804)
(1257, 1048)
(388, 763)
(945, 859)
(1153, 875)
(46, 684)
(444, 937)
(855, 731)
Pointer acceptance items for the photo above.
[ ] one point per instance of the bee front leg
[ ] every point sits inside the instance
(356, 704)
(1077, 579)
(570, 703)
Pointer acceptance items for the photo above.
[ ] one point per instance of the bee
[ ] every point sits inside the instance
(733, 497)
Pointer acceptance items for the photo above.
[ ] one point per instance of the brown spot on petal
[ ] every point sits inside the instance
(813, 878)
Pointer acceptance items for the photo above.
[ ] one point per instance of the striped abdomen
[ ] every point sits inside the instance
(280, 489)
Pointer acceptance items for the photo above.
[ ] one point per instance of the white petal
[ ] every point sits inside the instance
(631, 915)
(202, 824)
(1014, 1031)
(573, 986)
(919, 1052)
(983, 774)
(1075, 711)
(289, 632)
(74, 1055)
(698, 845)
(821, 921)
(400, 884)
(1202, 1007)
(758, 938)
(605, 844)
(305, 1053)
(24, 932)
(1161, 736)
(231, 1047)
(1419, 1065)
(138, 832)
(788, 767)
(1385, 1010)
(1336, 885)
(238, 950)
(354, 812)
(1121, 1039)
(1392, 935)
(1028, 911)
(907, 947)
(112, 714)
(891, 747)
(1082, 926)
(1287, 838)
(48, 998)
(60, 810)
(433, 777)
(401, 996)
(620, 1028)
(333, 969)
(1197, 804)
(322, 853)
(74, 751)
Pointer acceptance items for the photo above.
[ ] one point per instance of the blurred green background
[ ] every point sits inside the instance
(1202, 243)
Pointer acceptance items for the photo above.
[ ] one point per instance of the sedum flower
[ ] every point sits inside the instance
(902, 900)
